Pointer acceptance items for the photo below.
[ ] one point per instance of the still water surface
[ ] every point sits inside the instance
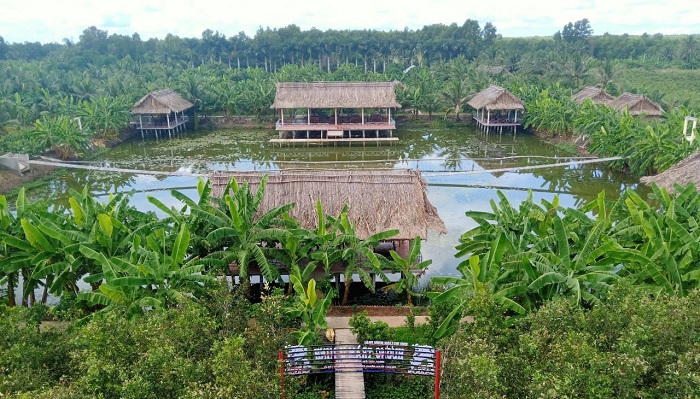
(439, 153)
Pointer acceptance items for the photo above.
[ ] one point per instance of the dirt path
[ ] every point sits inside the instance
(10, 180)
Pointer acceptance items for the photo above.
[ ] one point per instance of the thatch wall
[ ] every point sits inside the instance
(336, 95)
(161, 102)
(496, 98)
(595, 94)
(684, 172)
(637, 104)
(378, 200)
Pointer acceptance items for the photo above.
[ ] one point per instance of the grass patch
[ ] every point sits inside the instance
(675, 86)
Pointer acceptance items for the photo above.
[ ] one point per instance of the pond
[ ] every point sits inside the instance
(447, 158)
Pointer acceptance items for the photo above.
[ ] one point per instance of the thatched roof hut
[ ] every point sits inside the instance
(161, 102)
(335, 95)
(637, 104)
(685, 172)
(379, 200)
(595, 94)
(495, 98)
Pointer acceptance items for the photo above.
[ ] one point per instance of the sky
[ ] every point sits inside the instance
(53, 21)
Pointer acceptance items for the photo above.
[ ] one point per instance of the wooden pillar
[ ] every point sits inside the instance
(167, 118)
(335, 111)
(281, 116)
(308, 118)
(141, 126)
(363, 117)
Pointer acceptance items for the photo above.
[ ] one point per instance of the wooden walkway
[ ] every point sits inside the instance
(348, 384)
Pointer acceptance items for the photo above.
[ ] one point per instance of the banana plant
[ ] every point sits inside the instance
(662, 242)
(573, 262)
(34, 245)
(239, 232)
(311, 309)
(105, 227)
(357, 255)
(149, 277)
(324, 251)
(407, 267)
(477, 275)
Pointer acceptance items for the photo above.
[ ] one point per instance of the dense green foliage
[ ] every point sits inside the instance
(528, 256)
(135, 260)
(648, 146)
(45, 88)
(189, 352)
(595, 301)
(633, 345)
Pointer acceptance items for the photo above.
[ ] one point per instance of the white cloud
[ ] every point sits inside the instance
(51, 21)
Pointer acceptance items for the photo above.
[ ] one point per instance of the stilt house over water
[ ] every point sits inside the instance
(595, 94)
(343, 111)
(497, 108)
(161, 111)
(378, 200)
(637, 105)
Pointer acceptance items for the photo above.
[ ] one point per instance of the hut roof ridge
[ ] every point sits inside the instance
(596, 94)
(496, 98)
(637, 104)
(161, 101)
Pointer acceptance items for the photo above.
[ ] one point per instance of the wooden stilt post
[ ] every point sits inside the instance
(141, 127)
(438, 355)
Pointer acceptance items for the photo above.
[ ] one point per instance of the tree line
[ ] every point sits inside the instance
(272, 48)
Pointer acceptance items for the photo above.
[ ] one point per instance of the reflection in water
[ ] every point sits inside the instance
(429, 150)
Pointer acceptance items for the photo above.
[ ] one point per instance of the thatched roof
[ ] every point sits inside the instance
(496, 98)
(637, 104)
(161, 102)
(336, 95)
(595, 94)
(379, 200)
(684, 172)
(497, 70)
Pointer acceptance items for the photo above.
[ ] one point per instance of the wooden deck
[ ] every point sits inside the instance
(334, 141)
(496, 124)
(313, 127)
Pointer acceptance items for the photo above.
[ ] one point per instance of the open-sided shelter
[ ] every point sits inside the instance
(161, 111)
(497, 107)
(335, 110)
(595, 94)
(378, 200)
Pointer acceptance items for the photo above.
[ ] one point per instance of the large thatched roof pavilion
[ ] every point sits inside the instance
(637, 105)
(595, 94)
(378, 200)
(684, 172)
(335, 111)
(160, 111)
(497, 107)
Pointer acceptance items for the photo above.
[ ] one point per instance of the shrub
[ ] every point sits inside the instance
(30, 360)
(366, 330)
